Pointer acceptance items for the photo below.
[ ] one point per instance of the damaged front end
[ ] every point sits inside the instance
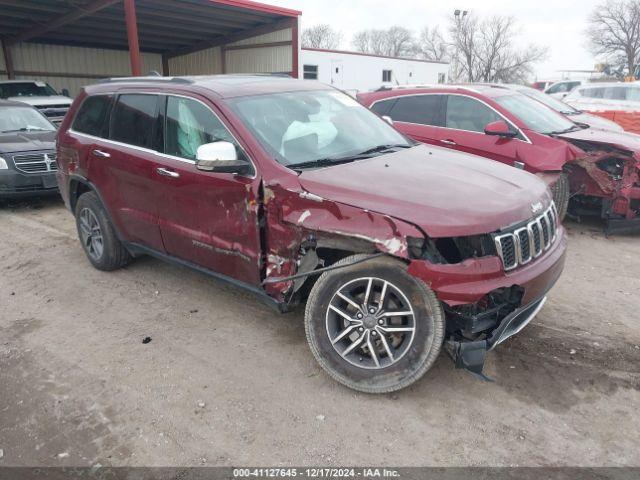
(476, 329)
(304, 234)
(605, 182)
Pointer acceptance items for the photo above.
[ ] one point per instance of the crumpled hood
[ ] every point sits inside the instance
(44, 100)
(620, 140)
(27, 141)
(444, 192)
(594, 121)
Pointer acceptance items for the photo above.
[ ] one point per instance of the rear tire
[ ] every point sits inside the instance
(343, 326)
(97, 235)
(561, 195)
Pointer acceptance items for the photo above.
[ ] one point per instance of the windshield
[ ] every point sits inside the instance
(548, 100)
(535, 116)
(23, 119)
(305, 127)
(26, 89)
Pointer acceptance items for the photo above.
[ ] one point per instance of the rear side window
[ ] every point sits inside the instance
(593, 92)
(464, 113)
(420, 109)
(615, 93)
(633, 94)
(133, 119)
(93, 116)
(383, 107)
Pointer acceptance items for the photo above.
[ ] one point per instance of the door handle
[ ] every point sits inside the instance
(448, 142)
(101, 154)
(167, 173)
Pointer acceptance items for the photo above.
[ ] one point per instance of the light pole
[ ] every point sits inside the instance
(459, 16)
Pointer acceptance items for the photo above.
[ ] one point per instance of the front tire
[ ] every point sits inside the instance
(97, 236)
(372, 326)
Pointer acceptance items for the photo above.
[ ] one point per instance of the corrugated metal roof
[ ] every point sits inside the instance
(163, 25)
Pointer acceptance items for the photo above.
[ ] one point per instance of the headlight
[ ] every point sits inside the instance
(3, 164)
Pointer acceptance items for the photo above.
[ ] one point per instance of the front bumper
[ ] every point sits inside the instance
(14, 184)
(622, 212)
(470, 355)
(470, 281)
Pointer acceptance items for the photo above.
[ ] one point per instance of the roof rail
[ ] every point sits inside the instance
(152, 78)
(429, 85)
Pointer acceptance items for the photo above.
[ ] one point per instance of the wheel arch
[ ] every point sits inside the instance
(79, 185)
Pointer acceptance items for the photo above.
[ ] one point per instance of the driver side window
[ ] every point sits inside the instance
(190, 124)
(465, 113)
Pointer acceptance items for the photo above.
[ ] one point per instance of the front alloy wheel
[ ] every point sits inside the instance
(372, 326)
(370, 323)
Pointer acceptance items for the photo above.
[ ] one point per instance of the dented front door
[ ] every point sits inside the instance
(205, 218)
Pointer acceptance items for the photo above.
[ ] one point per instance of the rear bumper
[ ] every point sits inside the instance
(15, 184)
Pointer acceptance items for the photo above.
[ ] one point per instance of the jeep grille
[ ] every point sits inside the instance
(525, 243)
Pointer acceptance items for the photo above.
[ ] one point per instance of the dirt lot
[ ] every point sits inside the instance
(226, 381)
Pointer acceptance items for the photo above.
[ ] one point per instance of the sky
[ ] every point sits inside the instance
(557, 24)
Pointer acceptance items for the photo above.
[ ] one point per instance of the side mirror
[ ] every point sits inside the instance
(65, 92)
(500, 129)
(220, 157)
(388, 119)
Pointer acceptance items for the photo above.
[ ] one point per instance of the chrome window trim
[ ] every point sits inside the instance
(155, 152)
(509, 122)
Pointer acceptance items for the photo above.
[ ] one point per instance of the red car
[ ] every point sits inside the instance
(598, 169)
(296, 192)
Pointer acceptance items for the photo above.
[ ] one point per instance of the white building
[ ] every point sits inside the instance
(361, 72)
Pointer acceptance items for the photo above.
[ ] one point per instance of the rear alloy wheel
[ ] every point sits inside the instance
(91, 234)
(97, 235)
(372, 326)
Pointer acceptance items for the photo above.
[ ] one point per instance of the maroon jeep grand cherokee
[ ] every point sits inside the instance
(296, 192)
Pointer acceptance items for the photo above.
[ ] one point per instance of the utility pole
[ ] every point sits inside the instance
(459, 16)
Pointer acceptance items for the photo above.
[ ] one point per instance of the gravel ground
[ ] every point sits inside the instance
(226, 381)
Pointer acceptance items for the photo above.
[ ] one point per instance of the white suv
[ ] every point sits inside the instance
(560, 90)
(37, 94)
(606, 96)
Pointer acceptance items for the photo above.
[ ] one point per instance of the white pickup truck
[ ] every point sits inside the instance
(37, 94)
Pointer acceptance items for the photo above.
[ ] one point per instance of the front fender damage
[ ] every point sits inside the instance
(607, 173)
(296, 223)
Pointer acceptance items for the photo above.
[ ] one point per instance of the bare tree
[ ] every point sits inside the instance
(614, 32)
(399, 42)
(431, 45)
(369, 41)
(485, 51)
(321, 36)
(393, 42)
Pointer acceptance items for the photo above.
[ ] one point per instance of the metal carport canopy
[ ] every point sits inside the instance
(167, 27)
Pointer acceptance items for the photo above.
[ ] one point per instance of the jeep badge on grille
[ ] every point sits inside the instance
(536, 207)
